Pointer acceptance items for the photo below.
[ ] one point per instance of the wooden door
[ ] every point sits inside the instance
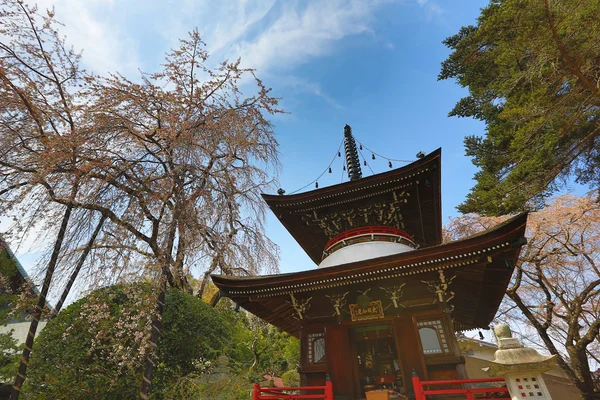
(339, 360)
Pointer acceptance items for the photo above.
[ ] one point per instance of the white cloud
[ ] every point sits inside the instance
(301, 33)
(272, 36)
(433, 9)
(220, 23)
(269, 35)
(305, 86)
(107, 47)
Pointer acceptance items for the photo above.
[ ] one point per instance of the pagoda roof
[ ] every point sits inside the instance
(12, 269)
(407, 198)
(480, 266)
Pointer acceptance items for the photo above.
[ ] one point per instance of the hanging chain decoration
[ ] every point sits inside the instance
(301, 307)
(365, 162)
(379, 155)
(316, 181)
(351, 161)
(338, 301)
(394, 293)
(440, 288)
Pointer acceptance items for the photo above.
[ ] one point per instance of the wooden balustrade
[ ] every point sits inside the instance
(322, 392)
(466, 389)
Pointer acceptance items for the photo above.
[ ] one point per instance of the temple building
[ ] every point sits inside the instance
(387, 296)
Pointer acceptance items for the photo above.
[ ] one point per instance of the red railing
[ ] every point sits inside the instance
(471, 393)
(324, 392)
(365, 230)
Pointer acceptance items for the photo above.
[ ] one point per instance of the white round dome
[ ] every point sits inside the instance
(363, 251)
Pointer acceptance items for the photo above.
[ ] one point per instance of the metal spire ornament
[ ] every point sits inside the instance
(354, 171)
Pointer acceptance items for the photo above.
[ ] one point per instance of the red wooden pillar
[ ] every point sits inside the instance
(470, 395)
(328, 389)
(418, 388)
(256, 392)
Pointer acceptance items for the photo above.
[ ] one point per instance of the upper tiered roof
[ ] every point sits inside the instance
(406, 198)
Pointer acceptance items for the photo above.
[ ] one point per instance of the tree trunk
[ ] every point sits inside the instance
(80, 262)
(213, 265)
(255, 354)
(214, 300)
(579, 363)
(572, 367)
(155, 333)
(41, 302)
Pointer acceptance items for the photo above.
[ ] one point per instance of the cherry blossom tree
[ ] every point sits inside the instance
(556, 285)
(167, 169)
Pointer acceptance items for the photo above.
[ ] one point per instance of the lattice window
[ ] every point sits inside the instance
(316, 348)
(529, 388)
(433, 337)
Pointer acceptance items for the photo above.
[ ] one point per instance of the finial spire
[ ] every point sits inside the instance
(354, 171)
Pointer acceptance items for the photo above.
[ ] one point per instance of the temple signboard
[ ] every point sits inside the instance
(373, 311)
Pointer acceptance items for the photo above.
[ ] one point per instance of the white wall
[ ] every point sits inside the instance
(20, 329)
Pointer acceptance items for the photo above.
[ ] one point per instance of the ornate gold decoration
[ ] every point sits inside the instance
(301, 307)
(338, 301)
(384, 213)
(440, 288)
(394, 293)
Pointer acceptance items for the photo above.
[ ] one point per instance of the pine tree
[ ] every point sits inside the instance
(533, 73)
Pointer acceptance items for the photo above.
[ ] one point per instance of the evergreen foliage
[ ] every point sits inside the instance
(532, 69)
(291, 378)
(101, 355)
(9, 357)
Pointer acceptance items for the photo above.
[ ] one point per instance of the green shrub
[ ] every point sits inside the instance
(95, 348)
(291, 378)
(209, 387)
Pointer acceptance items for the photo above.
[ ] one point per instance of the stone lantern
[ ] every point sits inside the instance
(522, 367)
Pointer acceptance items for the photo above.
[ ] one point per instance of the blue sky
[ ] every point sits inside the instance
(370, 64)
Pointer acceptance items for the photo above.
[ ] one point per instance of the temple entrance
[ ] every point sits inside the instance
(377, 364)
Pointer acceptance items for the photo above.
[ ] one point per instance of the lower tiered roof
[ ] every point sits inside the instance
(479, 268)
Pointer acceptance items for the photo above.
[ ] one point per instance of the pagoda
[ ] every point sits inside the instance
(387, 296)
